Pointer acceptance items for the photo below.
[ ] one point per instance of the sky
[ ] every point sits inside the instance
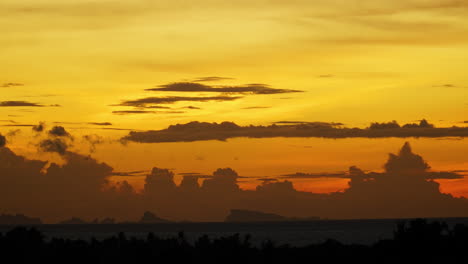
(101, 69)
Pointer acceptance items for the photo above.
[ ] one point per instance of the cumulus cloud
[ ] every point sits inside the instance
(2, 141)
(55, 145)
(59, 131)
(198, 131)
(254, 88)
(39, 128)
(406, 188)
(224, 179)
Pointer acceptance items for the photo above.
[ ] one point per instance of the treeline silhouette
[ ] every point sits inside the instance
(416, 241)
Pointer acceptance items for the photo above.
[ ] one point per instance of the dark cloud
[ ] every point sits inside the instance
(131, 112)
(2, 141)
(254, 88)
(140, 173)
(19, 104)
(317, 124)
(300, 175)
(198, 131)
(39, 128)
(18, 125)
(55, 145)
(6, 85)
(211, 79)
(223, 180)
(100, 123)
(191, 107)
(405, 189)
(150, 102)
(59, 131)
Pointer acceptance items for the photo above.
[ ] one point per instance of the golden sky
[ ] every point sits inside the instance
(356, 62)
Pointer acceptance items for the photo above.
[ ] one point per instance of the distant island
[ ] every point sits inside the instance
(238, 215)
(147, 218)
(18, 219)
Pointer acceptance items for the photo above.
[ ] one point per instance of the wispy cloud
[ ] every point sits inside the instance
(19, 104)
(11, 84)
(152, 102)
(131, 112)
(255, 88)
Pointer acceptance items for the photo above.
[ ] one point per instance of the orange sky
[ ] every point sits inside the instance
(355, 61)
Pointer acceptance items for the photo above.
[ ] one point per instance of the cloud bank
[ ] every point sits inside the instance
(81, 188)
(198, 131)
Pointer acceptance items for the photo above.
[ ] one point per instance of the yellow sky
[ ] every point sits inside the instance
(356, 61)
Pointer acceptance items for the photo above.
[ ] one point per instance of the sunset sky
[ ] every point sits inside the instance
(104, 68)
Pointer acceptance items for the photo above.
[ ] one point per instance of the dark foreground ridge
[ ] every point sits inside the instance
(418, 241)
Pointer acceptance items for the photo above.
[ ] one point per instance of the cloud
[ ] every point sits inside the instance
(300, 175)
(59, 131)
(39, 128)
(93, 141)
(18, 125)
(8, 121)
(150, 102)
(55, 145)
(256, 107)
(80, 187)
(198, 131)
(140, 173)
(242, 89)
(13, 133)
(131, 112)
(317, 124)
(2, 141)
(100, 123)
(7, 85)
(19, 104)
(191, 107)
(211, 79)
(224, 180)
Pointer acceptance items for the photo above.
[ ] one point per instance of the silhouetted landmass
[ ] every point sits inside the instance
(150, 218)
(198, 131)
(237, 215)
(18, 219)
(416, 242)
(73, 221)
